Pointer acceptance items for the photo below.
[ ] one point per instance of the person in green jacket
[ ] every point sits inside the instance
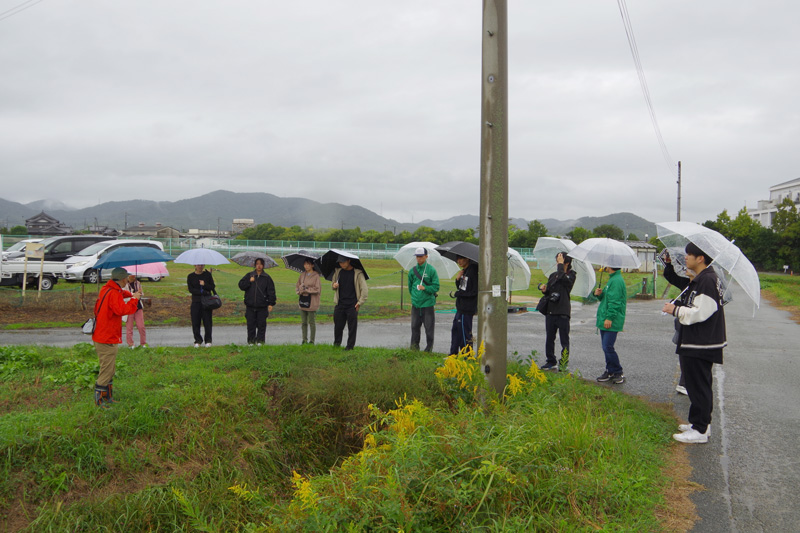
(610, 320)
(423, 285)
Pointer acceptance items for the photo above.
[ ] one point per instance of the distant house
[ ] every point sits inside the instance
(765, 212)
(44, 224)
(241, 224)
(103, 230)
(646, 253)
(157, 232)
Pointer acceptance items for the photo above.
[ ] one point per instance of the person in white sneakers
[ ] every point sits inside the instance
(701, 340)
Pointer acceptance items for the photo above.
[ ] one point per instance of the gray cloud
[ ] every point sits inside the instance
(378, 104)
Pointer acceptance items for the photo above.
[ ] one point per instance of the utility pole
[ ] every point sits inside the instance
(493, 234)
(679, 191)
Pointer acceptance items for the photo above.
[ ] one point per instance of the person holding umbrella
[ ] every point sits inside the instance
(701, 339)
(109, 309)
(133, 285)
(350, 286)
(198, 282)
(466, 296)
(308, 288)
(423, 286)
(557, 290)
(610, 320)
(259, 299)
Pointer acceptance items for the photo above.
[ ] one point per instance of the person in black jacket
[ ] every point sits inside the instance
(701, 339)
(681, 283)
(466, 297)
(559, 285)
(200, 281)
(259, 298)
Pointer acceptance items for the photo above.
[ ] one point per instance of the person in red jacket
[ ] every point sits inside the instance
(109, 309)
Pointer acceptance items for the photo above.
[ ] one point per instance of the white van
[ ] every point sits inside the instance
(81, 263)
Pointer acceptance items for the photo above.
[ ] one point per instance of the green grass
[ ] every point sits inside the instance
(786, 289)
(192, 424)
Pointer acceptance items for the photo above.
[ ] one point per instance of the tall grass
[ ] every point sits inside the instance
(312, 438)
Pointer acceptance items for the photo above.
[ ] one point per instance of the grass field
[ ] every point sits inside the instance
(311, 438)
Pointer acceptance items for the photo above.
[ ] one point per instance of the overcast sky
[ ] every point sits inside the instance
(377, 103)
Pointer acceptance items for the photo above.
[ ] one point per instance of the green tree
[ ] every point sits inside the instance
(579, 234)
(609, 230)
(633, 237)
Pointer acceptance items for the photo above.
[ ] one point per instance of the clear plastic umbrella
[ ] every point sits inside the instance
(446, 268)
(519, 273)
(201, 256)
(606, 252)
(545, 254)
(725, 254)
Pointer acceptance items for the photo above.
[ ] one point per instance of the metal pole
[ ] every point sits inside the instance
(679, 191)
(493, 267)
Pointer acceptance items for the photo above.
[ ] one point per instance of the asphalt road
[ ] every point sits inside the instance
(749, 468)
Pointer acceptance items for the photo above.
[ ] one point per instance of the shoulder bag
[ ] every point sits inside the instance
(210, 301)
(88, 326)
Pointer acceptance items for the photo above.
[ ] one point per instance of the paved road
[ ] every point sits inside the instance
(750, 468)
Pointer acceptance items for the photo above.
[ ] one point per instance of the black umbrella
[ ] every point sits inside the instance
(453, 249)
(248, 259)
(296, 260)
(330, 261)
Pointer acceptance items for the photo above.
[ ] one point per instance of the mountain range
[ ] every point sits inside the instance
(218, 209)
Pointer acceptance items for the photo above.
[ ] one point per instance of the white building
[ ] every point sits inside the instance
(766, 209)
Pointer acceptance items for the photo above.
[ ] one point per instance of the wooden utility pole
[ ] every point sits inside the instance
(679, 191)
(493, 265)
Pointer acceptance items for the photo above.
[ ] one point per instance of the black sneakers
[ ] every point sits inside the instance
(616, 379)
(553, 367)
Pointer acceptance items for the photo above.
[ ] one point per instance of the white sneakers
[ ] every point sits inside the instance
(691, 436)
(682, 390)
(208, 345)
(197, 345)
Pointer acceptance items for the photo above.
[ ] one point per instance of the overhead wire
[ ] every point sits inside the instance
(626, 20)
(19, 8)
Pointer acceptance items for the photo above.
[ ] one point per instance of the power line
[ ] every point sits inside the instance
(626, 20)
(19, 8)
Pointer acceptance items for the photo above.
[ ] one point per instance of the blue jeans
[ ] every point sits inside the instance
(608, 338)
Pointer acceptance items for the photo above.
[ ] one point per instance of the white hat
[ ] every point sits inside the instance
(420, 252)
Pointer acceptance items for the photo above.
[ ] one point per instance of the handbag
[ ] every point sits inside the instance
(210, 301)
(305, 301)
(542, 305)
(88, 326)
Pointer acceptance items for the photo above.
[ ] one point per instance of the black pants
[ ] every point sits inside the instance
(461, 332)
(553, 323)
(256, 324)
(342, 316)
(422, 316)
(201, 314)
(697, 373)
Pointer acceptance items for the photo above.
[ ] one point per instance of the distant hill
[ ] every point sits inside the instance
(219, 208)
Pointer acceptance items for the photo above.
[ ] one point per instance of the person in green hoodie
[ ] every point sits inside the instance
(610, 320)
(423, 285)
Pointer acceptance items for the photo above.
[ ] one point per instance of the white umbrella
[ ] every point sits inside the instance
(519, 273)
(545, 254)
(607, 253)
(725, 254)
(446, 268)
(201, 256)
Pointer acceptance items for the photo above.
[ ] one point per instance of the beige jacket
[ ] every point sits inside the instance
(308, 283)
(362, 291)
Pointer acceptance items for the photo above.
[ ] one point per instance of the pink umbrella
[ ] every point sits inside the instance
(153, 271)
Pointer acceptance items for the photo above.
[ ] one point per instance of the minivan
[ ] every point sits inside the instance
(63, 246)
(83, 261)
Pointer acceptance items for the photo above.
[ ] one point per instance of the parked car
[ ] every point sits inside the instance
(63, 246)
(18, 247)
(82, 263)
